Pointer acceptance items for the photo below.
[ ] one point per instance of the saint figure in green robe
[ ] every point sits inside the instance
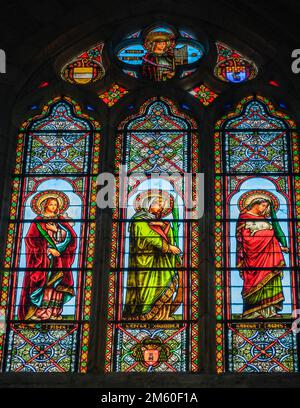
(154, 288)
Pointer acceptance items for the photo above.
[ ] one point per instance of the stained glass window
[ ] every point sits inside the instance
(86, 67)
(153, 281)
(47, 276)
(257, 238)
(159, 53)
(232, 66)
(203, 94)
(113, 95)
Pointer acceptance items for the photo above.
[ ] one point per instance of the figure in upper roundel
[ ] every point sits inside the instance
(159, 62)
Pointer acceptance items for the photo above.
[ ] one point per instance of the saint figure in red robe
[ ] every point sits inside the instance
(260, 246)
(50, 250)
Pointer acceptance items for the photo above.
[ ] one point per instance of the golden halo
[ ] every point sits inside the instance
(251, 195)
(39, 199)
(143, 199)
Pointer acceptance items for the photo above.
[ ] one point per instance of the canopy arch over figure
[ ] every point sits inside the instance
(50, 244)
(154, 262)
(255, 237)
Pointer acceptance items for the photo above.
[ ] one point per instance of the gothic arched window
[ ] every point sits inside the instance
(257, 238)
(154, 306)
(153, 286)
(46, 285)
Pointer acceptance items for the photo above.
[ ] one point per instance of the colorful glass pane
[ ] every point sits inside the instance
(43, 84)
(256, 251)
(85, 68)
(159, 53)
(232, 66)
(50, 243)
(187, 73)
(186, 34)
(269, 348)
(130, 73)
(113, 95)
(154, 279)
(134, 35)
(203, 94)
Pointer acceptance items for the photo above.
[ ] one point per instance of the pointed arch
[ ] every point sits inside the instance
(153, 294)
(256, 238)
(47, 278)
